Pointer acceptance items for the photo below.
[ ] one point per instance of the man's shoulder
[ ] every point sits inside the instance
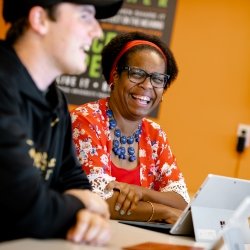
(6, 52)
(9, 63)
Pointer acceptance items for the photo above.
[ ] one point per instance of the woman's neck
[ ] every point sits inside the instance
(126, 126)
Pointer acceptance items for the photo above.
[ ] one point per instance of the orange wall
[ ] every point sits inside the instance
(201, 111)
(3, 26)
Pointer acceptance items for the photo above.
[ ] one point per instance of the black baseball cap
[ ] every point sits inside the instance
(15, 9)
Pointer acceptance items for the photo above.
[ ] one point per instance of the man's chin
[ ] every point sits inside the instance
(78, 71)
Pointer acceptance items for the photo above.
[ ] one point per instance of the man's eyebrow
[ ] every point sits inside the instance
(88, 8)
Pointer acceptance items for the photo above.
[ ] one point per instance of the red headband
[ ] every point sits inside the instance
(128, 46)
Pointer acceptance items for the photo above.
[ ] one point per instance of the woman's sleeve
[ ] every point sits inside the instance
(169, 176)
(91, 144)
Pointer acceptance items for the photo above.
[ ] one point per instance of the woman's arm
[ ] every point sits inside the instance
(170, 198)
(129, 195)
(144, 211)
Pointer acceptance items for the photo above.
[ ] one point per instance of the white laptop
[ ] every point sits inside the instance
(211, 208)
(236, 234)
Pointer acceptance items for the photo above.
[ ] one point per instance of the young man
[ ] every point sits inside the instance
(43, 191)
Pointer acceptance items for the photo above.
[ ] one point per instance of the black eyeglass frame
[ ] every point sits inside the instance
(128, 69)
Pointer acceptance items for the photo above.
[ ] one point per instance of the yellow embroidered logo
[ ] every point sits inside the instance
(53, 123)
(41, 161)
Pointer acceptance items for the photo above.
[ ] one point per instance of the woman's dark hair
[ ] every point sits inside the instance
(18, 27)
(113, 48)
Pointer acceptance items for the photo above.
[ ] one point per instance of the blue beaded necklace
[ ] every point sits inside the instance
(120, 150)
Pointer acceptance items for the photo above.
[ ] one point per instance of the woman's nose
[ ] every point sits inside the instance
(146, 84)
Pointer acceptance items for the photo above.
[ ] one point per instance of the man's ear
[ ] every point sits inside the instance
(38, 19)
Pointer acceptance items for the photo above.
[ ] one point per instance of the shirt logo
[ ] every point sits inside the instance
(41, 161)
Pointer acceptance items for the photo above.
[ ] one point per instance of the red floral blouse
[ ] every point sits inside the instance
(91, 135)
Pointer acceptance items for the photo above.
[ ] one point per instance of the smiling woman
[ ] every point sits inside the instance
(126, 156)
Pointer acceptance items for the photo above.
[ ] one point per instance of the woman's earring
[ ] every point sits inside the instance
(111, 85)
(161, 98)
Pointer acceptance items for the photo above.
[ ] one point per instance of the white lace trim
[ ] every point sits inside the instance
(178, 187)
(99, 180)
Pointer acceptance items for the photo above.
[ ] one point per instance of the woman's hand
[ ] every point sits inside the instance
(166, 214)
(127, 199)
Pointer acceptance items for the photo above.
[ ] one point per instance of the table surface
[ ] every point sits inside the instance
(122, 236)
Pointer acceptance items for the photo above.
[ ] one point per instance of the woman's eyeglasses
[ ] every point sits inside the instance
(137, 75)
